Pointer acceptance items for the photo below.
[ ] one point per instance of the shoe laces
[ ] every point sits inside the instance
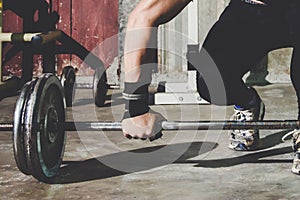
(238, 134)
(242, 115)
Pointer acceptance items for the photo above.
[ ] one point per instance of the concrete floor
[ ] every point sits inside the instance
(182, 165)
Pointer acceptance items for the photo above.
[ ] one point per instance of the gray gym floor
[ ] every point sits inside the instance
(182, 165)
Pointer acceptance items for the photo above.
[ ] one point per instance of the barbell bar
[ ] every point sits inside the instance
(172, 125)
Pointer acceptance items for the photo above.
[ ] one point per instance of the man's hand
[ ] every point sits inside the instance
(146, 126)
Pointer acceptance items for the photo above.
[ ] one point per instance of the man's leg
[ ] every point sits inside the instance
(139, 58)
(241, 37)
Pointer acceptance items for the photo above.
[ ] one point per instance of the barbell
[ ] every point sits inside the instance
(39, 127)
(170, 125)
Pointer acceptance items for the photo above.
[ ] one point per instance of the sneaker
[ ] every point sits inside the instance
(296, 147)
(245, 140)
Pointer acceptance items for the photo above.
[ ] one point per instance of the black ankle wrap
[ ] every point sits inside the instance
(136, 99)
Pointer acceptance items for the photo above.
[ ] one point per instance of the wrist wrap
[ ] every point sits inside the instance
(136, 99)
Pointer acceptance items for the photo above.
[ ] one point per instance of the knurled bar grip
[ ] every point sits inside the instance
(177, 125)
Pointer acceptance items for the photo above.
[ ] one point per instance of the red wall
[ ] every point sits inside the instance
(89, 22)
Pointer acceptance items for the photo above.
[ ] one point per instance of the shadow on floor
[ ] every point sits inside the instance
(94, 169)
(252, 157)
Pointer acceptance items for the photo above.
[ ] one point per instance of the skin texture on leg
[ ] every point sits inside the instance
(140, 56)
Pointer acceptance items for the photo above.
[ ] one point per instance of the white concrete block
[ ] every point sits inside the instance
(177, 87)
(192, 76)
(178, 98)
(189, 86)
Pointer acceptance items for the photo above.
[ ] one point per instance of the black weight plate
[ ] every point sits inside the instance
(100, 87)
(68, 79)
(45, 140)
(18, 128)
